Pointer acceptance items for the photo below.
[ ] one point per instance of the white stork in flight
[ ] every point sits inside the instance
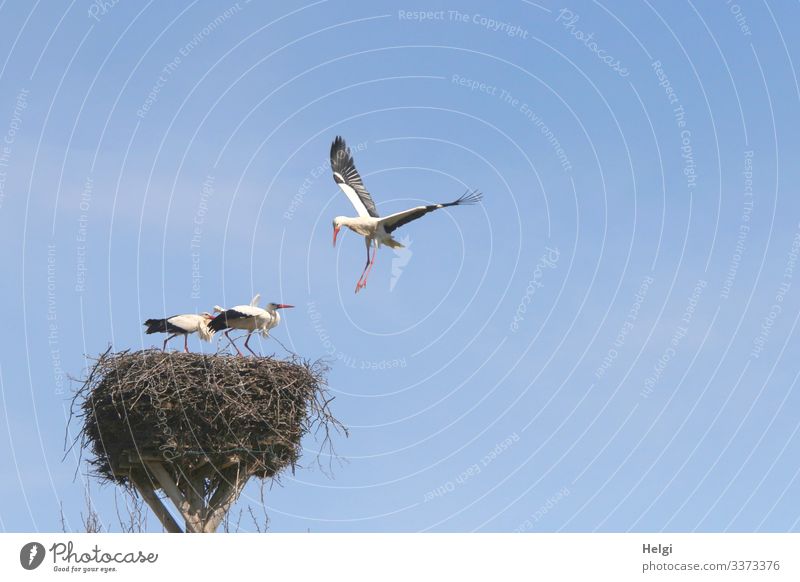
(182, 325)
(369, 224)
(249, 317)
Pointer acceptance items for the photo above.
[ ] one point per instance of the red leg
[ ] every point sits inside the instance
(164, 347)
(247, 346)
(362, 279)
(186, 343)
(232, 342)
(369, 268)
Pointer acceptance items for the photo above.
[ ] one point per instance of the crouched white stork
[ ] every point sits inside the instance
(248, 317)
(182, 325)
(369, 224)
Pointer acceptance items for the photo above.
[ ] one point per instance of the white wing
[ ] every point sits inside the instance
(254, 300)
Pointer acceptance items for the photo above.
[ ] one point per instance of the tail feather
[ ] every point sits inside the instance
(156, 326)
(205, 332)
(391, 243)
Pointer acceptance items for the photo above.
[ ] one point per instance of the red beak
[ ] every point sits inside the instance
(335, 234)
(283, 306)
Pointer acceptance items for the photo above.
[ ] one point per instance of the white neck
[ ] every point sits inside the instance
(363, 225)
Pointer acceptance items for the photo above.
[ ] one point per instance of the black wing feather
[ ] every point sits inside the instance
(162, 326)
(220, 322)
(467, 198)
(411, 217)
(342, 163)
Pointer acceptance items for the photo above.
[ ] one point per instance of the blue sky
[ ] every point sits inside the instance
(606, 343)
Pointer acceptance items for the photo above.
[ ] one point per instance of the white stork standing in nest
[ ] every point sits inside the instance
(248, 317)
(182, 325)
(369, 224)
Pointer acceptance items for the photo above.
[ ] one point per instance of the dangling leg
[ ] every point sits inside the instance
(372, 262)
(164, 347)
(232, 342)
(248, 347)
(361, 282)
(186, 343)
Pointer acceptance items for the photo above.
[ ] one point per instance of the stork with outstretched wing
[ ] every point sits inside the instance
(369, 224)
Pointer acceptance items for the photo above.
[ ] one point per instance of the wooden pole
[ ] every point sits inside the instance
(187, 491)
(178, 498)
(194, 489)
(224, 497)
(149, 495)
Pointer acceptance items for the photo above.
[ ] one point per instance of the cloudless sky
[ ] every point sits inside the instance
(607, 343)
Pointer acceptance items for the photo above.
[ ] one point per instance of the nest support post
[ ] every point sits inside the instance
(202, 494)
(147, 491)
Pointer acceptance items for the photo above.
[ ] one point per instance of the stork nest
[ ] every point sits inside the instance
(192, 411)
